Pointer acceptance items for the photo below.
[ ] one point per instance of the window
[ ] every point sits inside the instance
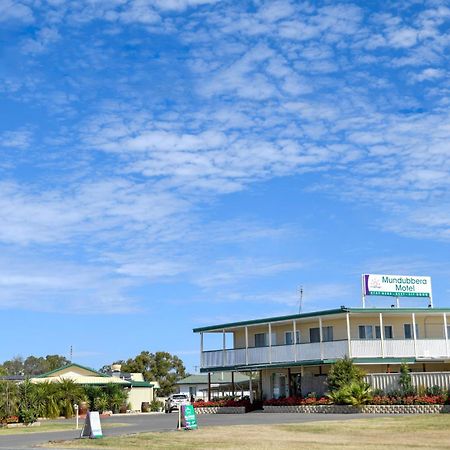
(388, 334)
(260, 340)
(365, 332)
(327, 334)
(289, 337)
(408, 329)
(314, 335)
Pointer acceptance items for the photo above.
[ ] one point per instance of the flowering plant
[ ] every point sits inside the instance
(294, 401)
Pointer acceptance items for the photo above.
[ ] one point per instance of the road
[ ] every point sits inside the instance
(139, 423)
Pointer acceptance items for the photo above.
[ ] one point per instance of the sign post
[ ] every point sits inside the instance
(76, 416)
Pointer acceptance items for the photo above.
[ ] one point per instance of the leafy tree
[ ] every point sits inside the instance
(53, 362)
(27, 401)
(162, 367)
(405, 380)
(32, 365)
(9, 400)
(342, 373)
(14, 366)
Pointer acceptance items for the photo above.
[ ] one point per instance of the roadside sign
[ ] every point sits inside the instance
(188, 417)
(92, 427)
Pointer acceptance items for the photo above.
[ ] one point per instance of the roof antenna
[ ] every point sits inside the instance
(71, 354)
(300, 306)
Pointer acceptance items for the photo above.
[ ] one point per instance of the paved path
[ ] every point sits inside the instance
(140, 423)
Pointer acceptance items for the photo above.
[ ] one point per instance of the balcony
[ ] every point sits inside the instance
(364, 348)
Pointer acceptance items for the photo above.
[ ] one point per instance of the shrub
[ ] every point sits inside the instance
(156, 406)
(405, 380)
(342, 373)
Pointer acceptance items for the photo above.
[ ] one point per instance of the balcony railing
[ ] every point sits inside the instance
(364, 348)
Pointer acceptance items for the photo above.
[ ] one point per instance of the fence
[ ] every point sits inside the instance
(388, 382)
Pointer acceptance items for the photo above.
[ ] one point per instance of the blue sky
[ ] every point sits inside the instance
(167, 164)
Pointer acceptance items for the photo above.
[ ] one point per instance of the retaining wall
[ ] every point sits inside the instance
(220, 410)
(366, 409)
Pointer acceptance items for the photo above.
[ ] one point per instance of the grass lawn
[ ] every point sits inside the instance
(427, 431)
(63, 426)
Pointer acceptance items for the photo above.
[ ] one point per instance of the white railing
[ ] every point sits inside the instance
(364, 348)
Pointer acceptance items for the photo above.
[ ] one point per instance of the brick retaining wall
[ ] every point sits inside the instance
(366, 409)
(220, 410)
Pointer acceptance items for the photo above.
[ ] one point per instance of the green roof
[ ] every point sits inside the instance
(327, 312)
(44, 375)
(140, 384)
(270, 319)
(312, 362)
(216, 378)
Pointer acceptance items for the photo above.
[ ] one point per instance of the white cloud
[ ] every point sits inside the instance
(11, 10)
(20, 139)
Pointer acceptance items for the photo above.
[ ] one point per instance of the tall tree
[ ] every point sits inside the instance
(33, 365)
(162, 367)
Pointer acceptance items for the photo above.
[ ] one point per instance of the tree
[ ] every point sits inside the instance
(53, 362)
(162, 367)
(405, 380)
(342, 373)
(14, 366)
(9, 400)
(33, 365)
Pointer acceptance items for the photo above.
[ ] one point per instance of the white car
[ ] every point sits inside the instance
(175, 401)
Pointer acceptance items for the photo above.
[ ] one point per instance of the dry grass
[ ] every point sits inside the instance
(45, 427)
(379, 433)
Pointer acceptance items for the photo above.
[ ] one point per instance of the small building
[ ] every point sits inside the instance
(217, 385)
(139, 391)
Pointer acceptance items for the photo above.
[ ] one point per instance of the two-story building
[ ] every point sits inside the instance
(291, 355)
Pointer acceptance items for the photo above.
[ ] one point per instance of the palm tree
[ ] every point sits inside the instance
(47, 397)
(69, 394)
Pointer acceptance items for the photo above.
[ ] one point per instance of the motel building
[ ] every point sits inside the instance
(291, 355)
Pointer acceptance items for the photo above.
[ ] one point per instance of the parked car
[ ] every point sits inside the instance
(175, 401)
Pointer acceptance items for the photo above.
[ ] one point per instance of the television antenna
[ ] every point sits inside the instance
(300, 294)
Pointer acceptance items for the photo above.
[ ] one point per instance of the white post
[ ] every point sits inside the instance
(250, 386)
(414, 334)
(246, 346)
(347, 316)
(446, 333)
(363, 291)
(179, 417)
(294, 326)
(321, 337)
(224, 346)
(382, 334)
(201, 350)
(270, 343)
(76, 416)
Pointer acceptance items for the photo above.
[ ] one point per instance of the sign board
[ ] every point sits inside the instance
(92, 427)
(188, 417)
(397, 285)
